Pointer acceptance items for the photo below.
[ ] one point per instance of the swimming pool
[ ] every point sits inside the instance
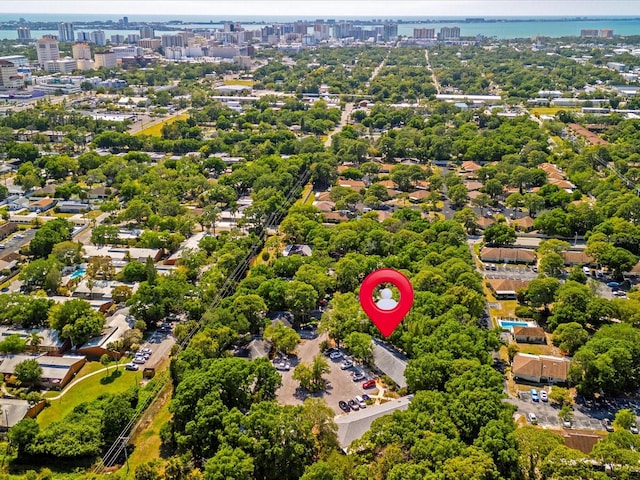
(77, 274)
(509, 324)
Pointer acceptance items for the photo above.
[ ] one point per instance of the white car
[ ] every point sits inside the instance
(139, 360)
(131, 366)
(346, 364)
(335, 355)
(533, 419)
(361, 402)
(283, 366)
(543, 396)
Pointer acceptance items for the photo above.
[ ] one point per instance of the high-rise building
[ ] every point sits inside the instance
(117, 39)
(133, 38)
(449, 33)
(24, 33)
(47, 50)
(105, 59)
(65, 32)
(81, 51)
(300, 28)
(588, 33)
(424, 33)
(125, 21)
(389, 31)
(321, 31)
(342, 30)
(606, 33)
(84, 37)
(146, 32)
(62, 65)
(98, 37)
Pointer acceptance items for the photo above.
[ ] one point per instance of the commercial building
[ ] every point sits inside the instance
(105, 59)
(56, 371)
(150, 43)
(588, 33)
(81, 51)
(9, 78)
(17, 60)
(47, 50)
(62, 65)
(65, 32)
(24, 33)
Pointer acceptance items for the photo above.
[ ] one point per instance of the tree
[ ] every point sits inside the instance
(105, 359)
(500, 234)
(134, 271)
(253, 308)
(76, 320)
(13, 344)
(360, 346)
(565, 413)
(552, 264)
(624, 418)
(51, 233)
(121, 293)
(310, 375)
(34, 339)
(458, 194)
(68, 253)
(229, 464)
(36, 273)
(300, 298)
(560, 396)
(100, 267)
(493, 188)
(512, 349)
(553, 246)
(570, 337)
(284, 339)
(22, 434)
(542, 291)
(28, 371)
(105, 235)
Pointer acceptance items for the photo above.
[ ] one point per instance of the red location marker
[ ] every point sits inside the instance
(386, 320)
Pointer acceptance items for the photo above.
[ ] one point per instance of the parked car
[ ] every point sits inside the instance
(283, 366)
(353, 405)
(335, 355)
(534, 395)
(146, 350)
(365, 397)
(139, 360)
(344, 406)
(566, 423)
(532, 418)
(613, 285)
(360, 401)
(543, 396)
(131, 366)
(608, 426)
(346, 363)
(371, 383)
(357, 376)
(633, 428)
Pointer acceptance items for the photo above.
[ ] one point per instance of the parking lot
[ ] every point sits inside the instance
(340, 387)
(586, 415)
(511, 272)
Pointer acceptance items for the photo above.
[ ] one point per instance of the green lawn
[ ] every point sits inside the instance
(87, 390)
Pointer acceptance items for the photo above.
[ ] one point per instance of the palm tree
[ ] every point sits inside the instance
(34, 339)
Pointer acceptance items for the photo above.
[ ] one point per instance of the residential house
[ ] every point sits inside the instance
(473, 186)
(73, 206)
(192, 243)
(42, 205)
(50, 342)
(19, 203)
(524, 224)
(469, 166)
(56, 371)
(7, 229)
(101, 193)
(390, 362)
(577, 257)
(419, 196)
(505, 288)
(121, 256)
(14, 410)
(507, 255)
(114, 328)
(529, 335)
(540, 368)
(335, 217)
(356, 185)
(324, 206)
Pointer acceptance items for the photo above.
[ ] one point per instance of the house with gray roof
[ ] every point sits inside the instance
(390, 362)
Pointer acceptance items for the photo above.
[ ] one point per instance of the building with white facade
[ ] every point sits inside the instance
(105, 59)
(81, 50)
(62, 65)
(24, 33)
(98, 37)
(47, 50)
(9, 78)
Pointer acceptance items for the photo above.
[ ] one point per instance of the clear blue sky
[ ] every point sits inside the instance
(328, 8)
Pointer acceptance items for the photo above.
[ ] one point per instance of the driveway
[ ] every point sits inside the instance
(341, 386)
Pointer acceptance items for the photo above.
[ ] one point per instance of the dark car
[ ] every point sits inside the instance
(344, 406)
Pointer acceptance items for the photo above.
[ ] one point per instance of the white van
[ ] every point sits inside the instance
(360, 401)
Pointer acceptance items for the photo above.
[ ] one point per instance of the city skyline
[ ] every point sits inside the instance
(332, 8)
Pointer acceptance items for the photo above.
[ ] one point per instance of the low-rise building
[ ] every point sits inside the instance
(50, 342)
(540, 368)
(121, 256)
(56, 371)
(507, 255)
(529, 335)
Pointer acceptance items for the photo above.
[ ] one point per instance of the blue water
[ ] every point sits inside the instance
(77, 274)
(508, 325)
(492, 27)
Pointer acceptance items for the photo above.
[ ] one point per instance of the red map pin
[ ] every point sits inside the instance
(387, 318)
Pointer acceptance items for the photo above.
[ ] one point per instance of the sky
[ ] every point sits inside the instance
(329, 8)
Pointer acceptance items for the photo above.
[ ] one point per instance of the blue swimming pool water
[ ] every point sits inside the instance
(77, 274)
(506, 325)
